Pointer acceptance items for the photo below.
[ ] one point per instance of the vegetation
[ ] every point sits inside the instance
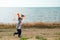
(57, 38)
(57, 33)
(40, 38)
(32, 25)
(23, 38)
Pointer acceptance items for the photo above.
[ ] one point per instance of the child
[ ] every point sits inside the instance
(18, 27)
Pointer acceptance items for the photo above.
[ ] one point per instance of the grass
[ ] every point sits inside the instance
(44, 33)
(41, 25)
(0, 36)
(26, 35)
(40, 38)
(37, 37)
(57, 33)
(32, 25)
(23, 38)
(57, 38)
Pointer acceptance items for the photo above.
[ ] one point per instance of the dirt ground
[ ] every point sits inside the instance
(49, 34)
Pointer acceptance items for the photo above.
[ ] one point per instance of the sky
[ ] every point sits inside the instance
(29, 3)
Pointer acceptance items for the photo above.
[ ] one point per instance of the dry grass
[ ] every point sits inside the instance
(33, 25)
(41, 25)
(7, 26)
(31, 34)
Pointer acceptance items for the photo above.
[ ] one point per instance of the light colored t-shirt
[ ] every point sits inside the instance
(18, 25)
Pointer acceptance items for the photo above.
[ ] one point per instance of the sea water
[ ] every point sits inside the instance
(32, 14)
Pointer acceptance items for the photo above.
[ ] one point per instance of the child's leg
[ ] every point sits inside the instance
(15, 33)
(19, 32)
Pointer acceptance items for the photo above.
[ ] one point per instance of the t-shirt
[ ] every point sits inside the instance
(18, 25)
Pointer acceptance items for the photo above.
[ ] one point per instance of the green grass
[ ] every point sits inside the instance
(0, 36)
(23, 38)
(40, 38)
(57, 38)
(57, 33)
(44, 33)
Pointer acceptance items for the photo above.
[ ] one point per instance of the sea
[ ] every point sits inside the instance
(32, 14)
